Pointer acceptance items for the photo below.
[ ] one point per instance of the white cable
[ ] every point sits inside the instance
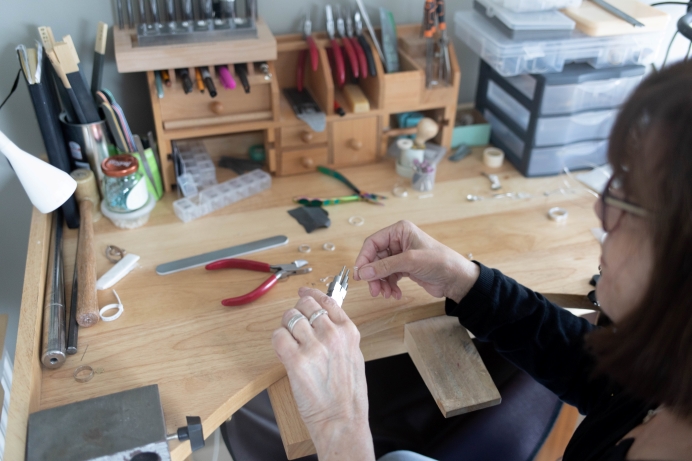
(118, 305)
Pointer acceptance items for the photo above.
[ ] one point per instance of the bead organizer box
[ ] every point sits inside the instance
(220, 195)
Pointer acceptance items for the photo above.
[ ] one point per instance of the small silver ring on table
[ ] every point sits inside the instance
(558, 214)
(304, 248)
(400, 191)
(114, 253)
(292, 323)
(356, 220)
(77, 374)
(329, 246)
(314, 316)
(118, 305)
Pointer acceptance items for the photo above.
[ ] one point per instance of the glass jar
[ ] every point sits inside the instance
(124, 187)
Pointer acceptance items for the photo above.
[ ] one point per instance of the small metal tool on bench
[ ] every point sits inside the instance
(338, 287)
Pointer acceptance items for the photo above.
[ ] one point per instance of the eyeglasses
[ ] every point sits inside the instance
(613, 207)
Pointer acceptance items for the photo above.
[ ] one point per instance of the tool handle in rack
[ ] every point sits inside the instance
(441, 15)
(339, 67)
(237, 263)
(368, 55)
(314, 54)
(351, 54)
(87, 300)
(300, 69)
(253, 295)
(429, 18)
(362, 60)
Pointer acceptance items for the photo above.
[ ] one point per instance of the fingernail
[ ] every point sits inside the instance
(301, 290)
(366, 273)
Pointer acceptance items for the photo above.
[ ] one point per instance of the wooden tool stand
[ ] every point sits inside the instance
(291, 146)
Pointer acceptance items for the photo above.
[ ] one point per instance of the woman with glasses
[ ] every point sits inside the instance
(632, 380)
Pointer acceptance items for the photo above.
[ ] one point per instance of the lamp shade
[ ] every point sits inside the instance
(46, 186)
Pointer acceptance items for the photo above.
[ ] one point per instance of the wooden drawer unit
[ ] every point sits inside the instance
(355, 141)
(302, 161)
(180, 110)
(301, 136)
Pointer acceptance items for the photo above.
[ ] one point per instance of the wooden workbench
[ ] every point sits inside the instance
(209, 360)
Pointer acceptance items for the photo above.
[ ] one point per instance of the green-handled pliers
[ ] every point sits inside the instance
(358, 196)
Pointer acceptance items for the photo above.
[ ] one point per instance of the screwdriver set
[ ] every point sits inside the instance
(188, 21)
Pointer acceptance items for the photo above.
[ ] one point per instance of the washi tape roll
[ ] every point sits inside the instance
(493, 157)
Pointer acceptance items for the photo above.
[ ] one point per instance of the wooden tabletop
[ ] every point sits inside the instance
(209, 360)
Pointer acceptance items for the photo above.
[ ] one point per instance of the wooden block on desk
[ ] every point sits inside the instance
(450, 365)
(294, 433)
(355, 99)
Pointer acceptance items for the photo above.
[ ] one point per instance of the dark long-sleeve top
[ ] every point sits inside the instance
(547, 342)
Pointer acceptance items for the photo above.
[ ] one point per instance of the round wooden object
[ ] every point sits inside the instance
(307, 162)
(427, 129)
(355, 144)
(216, 107)
(306, 136)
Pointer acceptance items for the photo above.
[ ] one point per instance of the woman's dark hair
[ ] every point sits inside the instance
(649, 353)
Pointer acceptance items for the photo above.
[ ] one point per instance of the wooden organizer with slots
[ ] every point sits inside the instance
(291, 146)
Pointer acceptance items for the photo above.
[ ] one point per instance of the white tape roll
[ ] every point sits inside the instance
(493, 157)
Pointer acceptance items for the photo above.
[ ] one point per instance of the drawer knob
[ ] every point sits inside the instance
(216, 107)
(307, 162)
(355, 144)
(306, 136)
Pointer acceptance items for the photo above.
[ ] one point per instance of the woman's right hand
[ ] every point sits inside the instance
(403, 250)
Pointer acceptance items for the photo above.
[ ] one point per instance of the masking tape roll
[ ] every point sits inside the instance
(493, 157)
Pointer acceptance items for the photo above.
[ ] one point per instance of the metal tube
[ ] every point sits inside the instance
(53, 337)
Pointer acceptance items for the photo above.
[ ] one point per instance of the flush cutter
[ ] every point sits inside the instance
(279, 271)
(338, 59)
(302, 55)
(338, 287)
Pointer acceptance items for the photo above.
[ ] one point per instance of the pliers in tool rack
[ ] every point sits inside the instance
(339, 68)
(348, 45)
(302, 55)
(279, 271)
(364, 44)
(362, 60)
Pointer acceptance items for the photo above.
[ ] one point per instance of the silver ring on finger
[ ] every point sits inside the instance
(292, 323)
(314, 316)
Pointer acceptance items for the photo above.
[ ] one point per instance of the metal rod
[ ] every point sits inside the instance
(142, 12)
(119, 10)
(187, 10)
(617, 12)
(130, 14)
(72, 325)
(53, 335)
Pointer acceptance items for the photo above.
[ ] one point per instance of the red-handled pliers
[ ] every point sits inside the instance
(312, 48)
(339, 67)
(348, 45)
(280, 271)
(360, 53)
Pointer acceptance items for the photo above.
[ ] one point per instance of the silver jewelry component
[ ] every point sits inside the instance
(314, 316)
(356, 220)
(329, 246)
(558, 214)
(304, 248)
(292, 323)
(114, 253)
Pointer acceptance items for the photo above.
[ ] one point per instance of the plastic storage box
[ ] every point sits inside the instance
(526, 26)
(578, 87)
(544, 161)
(513, 57)
(220, 195)
(521, 6)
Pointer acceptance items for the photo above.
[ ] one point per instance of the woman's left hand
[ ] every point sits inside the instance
(327, 373)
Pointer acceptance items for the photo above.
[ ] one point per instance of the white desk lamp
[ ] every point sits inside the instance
(47, 186)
